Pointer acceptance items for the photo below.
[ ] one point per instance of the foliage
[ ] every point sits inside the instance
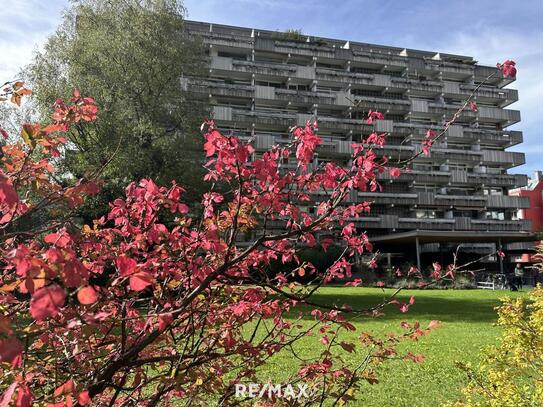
(509, 374)
(128, 307)
(132, 309)
(130, 55)
(290, 34)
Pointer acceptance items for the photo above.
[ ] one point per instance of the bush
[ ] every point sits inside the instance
(509, 374)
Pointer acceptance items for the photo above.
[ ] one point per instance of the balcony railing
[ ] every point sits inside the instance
(505, 180)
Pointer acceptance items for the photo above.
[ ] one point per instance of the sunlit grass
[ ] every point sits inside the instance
(468, 324)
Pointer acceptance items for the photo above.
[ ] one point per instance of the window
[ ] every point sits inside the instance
(493, 191)
(425, 214)
(239, 57)
(495, 215)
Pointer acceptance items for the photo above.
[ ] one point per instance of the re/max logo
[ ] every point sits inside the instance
(268, 390)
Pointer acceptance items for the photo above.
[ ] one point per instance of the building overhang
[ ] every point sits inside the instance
(442, 236)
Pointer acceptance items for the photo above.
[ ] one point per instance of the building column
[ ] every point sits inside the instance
(417, 249)
(500, 257)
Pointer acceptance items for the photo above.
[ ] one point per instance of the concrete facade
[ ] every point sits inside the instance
(262, 82)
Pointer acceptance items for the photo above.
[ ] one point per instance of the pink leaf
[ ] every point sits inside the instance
(11, 350)
(394, 172)
(46, 302)
(126, 265)
(66, 388)
(87, 295)
(84, 398)
(24, 397)
(8, 394)
(8, 195)
(140, 281)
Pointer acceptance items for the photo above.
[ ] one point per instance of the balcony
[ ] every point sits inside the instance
(498, 137)
(341, 76)
(461, 201)
(428, 87)
(286, 46)
(450, 69)
(507, 159)
(433, 177)
(388, 198)
(376, 58)
(221, 89)
(509, 202)
(450, 154)
(501, 225)
(306, 97)
(383, 104)
(282, 120)
(489, 94)
(501, 180)
(426, 224)
(461, 133)
(264, 68)
(226, 40)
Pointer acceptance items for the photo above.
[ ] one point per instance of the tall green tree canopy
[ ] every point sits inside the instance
(130, 55)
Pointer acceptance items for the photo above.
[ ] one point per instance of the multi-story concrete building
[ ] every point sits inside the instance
(262, 82)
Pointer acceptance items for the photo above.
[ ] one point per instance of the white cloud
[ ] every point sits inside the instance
(25, 26)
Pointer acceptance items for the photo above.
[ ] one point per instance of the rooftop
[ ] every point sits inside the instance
(323, 41)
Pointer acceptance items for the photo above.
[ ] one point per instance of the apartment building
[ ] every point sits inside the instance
(262, 82)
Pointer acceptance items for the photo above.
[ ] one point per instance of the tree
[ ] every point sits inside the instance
(131, 55)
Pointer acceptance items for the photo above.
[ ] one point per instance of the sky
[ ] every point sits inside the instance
(489, 30)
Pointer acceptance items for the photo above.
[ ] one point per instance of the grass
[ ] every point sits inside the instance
(468, 325)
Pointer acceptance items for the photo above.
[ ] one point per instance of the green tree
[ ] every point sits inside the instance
(131, 55)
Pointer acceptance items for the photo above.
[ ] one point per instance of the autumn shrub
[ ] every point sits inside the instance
(132, 310)
(135, 310)
(510, 373)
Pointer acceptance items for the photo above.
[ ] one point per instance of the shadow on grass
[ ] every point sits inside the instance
(475, 308)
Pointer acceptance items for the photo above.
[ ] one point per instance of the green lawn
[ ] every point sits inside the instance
(468, 324)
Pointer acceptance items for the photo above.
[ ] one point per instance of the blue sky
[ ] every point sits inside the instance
(489, 30)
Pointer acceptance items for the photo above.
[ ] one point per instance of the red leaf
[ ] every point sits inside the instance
(4, 133)
(508, 69)
(8, 394)
(24, 397)
(140, 281)
(87, 295)
(74, 273)
(58, 239)
(66, 388)
(164, 321)
(84, 398)
(394, 172)
(8, 195)
(355, 283)
(46, 302)
(349, 347)
(126, 265)
(11, 350)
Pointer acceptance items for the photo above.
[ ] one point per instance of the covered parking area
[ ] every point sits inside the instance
(410, 242)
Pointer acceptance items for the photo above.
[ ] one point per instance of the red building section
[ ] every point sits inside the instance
(534, 192)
